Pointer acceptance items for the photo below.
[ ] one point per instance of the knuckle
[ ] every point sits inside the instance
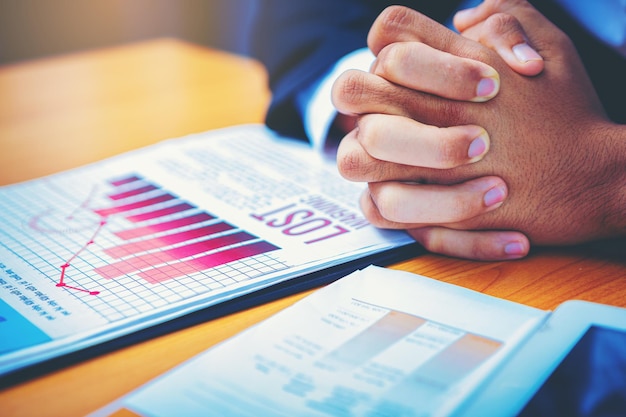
(500, 24)
(349, 90)
(351, 164)
(394, 19)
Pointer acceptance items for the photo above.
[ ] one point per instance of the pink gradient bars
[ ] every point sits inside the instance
(136, 205)
(163, 227)
(183, 268)
(170, 249)
(165, 240)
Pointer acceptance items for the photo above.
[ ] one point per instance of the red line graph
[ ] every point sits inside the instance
(73, 223)
(68, 263)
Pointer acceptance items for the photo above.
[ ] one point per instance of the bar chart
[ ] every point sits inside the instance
(410, 362)
(160, 251)
(123, 245)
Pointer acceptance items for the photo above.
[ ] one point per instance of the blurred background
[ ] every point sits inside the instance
(31, 29)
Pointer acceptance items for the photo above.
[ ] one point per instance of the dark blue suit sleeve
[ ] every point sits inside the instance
(298, 41)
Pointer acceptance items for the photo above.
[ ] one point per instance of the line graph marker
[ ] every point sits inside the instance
(68, 263)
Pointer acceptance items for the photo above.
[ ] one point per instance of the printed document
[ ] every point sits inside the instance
(104, 250)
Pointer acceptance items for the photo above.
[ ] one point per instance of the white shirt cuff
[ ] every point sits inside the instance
(319, 111)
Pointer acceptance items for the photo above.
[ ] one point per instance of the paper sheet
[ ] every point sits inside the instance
(120, 245)
(378, 342)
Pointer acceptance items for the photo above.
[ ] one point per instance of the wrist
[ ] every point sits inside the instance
(605, 194)
(591, 200)
(615, 208)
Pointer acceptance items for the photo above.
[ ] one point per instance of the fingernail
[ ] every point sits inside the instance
(487, 88)
(524, 53)
(478, 147)
(495, 196)
(515, 249)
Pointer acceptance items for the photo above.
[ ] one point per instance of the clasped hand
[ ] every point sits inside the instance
(476, 145)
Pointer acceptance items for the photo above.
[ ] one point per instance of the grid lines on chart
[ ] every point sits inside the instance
(139, 213)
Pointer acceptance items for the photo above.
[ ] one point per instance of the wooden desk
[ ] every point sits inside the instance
(66, 111)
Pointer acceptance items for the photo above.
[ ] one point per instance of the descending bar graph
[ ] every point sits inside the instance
(171, 248)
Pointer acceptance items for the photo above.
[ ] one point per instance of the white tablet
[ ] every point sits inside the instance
(575, 365)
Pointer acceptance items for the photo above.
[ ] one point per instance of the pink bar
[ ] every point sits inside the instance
(160, 213)
(207, 245)
(229, 255)
(164, 226)
(124, 181)
(176, 270)
(167, 240)
(134, 264)
(132, 206)
(133, 192)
